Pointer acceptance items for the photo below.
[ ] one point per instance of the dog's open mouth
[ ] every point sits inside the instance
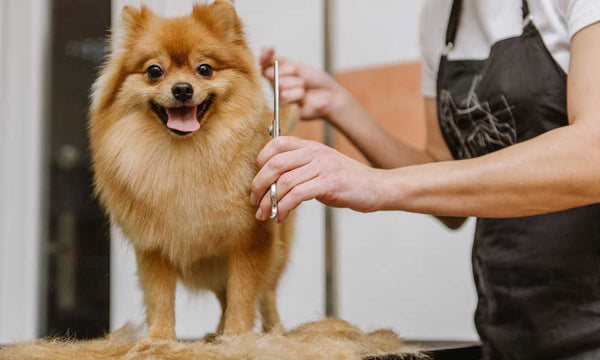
(183, 120)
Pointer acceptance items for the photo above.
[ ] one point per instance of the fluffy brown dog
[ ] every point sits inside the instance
(177, 119)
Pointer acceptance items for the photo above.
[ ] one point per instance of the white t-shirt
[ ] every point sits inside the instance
(485, 22)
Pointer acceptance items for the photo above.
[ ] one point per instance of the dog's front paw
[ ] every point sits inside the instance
(211, 338)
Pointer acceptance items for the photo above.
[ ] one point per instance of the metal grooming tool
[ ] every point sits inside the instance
(274, 131)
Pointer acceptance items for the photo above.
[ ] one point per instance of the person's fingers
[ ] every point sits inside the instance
(264, 208)
(277, 165)
(286, 82)
(290, 96)
(278, 145)
(286, 68)
(267, 57)
(306, 191)
(314, 104)
(288, 181)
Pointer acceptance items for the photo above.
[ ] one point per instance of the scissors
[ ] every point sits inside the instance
(274, 132)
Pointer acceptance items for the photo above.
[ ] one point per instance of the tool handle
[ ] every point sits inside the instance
(275, 133)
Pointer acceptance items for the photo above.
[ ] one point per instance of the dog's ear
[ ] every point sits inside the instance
(133, 20)
(221, 19)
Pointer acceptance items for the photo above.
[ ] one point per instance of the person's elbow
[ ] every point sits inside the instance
(586, 145)
(452, 223)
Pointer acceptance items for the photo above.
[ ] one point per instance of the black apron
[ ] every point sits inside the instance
(537, 277)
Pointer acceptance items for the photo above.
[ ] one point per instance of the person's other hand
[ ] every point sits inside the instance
(316, 92)
(307, 170)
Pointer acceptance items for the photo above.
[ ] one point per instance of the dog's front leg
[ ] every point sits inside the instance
(158, 281)
(246, 274)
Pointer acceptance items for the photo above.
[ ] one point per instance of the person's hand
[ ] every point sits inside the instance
(307, 170)
(316, 92)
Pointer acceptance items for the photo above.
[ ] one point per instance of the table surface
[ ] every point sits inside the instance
(454, 352)
(431, 345)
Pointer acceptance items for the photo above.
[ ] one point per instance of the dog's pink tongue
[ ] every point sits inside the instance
(183, 119)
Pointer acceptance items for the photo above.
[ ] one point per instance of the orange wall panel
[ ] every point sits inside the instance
(392, 94)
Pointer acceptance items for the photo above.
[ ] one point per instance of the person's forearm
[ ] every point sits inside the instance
(555, 171)
(380, 148)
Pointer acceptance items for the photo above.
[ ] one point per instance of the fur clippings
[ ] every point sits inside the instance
(327, 339)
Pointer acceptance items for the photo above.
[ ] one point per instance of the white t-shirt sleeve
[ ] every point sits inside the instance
(428, 74)
(432, 31)
(580, 14)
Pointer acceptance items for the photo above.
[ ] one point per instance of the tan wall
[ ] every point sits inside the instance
(392, 96)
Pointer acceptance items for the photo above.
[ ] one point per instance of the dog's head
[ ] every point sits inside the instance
(181, 72)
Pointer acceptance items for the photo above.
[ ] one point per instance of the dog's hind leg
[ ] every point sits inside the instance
(158, 281)
(268, 311)
(222, 297)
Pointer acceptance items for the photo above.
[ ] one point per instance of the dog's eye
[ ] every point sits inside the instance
(154, 72)
(205, 70)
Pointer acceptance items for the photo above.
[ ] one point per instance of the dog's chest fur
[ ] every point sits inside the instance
(186, 200)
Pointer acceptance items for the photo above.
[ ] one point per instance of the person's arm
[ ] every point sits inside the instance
(386, 152)
(320, 96)
(555, 171)
(380, 148)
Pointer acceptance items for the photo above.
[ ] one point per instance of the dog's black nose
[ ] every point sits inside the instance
(182, 91)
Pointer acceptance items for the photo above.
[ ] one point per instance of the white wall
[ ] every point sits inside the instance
(295, 28)
(405, 271)
(398, 270)
(376, 32)
(23, 44)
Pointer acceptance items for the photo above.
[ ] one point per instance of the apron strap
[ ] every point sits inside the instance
(526, 12)
(452, 28)
(453, 24)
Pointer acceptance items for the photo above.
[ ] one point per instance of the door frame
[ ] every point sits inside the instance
(24, 45)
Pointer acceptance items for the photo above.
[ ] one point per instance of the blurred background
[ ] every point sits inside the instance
(63, 270)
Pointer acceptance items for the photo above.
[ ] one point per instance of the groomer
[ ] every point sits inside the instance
(511, 139)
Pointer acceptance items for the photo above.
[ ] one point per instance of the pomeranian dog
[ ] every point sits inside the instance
(177, 119)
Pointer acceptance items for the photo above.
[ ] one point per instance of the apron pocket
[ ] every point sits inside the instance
(484, 127)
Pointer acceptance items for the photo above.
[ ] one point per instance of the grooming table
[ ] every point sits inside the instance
(448, 351)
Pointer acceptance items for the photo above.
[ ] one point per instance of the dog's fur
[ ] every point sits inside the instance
(183, 201)
(329, 339)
